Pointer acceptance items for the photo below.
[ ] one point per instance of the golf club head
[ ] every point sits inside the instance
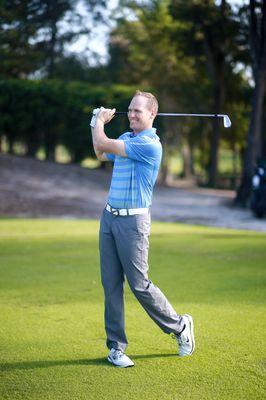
(227, 122)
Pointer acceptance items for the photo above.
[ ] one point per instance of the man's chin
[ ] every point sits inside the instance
(133, 126)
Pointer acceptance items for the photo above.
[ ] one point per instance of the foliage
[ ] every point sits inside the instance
(256, 15)
(18, 26)
(192, 55)
(187, 52)
(33, 33)
(47, 113)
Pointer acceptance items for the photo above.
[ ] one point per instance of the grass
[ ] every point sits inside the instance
(51, 322)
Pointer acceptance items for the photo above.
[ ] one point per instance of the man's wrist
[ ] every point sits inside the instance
(100, 121)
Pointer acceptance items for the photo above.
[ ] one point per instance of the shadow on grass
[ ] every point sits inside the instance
(50, 363)
(141, 356)
(62, 363)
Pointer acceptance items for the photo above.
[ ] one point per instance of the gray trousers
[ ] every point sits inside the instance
(124, 244)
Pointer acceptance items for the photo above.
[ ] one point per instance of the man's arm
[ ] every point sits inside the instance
(101, 143)
(101, 156)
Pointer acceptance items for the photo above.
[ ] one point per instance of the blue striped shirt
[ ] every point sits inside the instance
(134, 176)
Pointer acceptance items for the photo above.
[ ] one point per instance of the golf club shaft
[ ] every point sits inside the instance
(177, 114)
(226, 119)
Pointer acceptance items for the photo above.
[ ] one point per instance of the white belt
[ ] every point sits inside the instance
(126, 211)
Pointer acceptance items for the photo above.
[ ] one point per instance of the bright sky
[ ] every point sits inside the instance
(97, 41)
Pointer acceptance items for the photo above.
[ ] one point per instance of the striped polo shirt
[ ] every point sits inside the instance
(134, 176)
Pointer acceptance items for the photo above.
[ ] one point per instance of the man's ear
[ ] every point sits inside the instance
(153, 115)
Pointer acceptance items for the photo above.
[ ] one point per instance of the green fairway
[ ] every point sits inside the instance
(52, 339)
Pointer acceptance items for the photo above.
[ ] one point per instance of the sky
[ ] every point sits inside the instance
(98, 40)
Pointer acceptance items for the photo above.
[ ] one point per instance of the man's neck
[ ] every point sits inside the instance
(138, 132)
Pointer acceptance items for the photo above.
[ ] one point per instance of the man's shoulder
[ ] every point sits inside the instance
(150, 144)
(151, 139)
(149, 135)
(124, 136)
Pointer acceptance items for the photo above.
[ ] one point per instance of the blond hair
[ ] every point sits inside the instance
(152, 102)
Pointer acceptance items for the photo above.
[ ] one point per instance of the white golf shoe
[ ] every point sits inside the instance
(119, 359)
(185, 339)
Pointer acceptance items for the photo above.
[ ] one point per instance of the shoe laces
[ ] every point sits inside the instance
(118, 354)
(181, 339)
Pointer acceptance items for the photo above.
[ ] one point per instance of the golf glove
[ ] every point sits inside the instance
(94, 117)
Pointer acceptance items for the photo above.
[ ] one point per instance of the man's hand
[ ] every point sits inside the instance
(105, 114)
(101, 143)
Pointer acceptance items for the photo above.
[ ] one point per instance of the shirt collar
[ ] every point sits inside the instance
(145, 132)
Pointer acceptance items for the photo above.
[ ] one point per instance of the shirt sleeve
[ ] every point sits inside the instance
(144, 151)
(111, 157)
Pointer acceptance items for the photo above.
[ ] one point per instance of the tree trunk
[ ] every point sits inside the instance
(254, 137)
(187, 160)
(106, 166)
(263, 155)
(234, 159)
(216, 68)
(51, 52)
(254, 142)
(164, 174)
(203, 160)
(215, 55)
(49, 146)
(164, 170)
(31, 148)
(77, 156)
(215, 139)
(11, 142)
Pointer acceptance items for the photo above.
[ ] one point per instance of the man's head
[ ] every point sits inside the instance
(142, 110)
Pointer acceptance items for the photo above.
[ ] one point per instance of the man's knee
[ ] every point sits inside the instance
(111, 286)
(139, 288)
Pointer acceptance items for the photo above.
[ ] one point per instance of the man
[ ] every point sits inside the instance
(125, 227)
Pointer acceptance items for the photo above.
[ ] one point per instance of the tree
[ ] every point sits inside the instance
(18, 26)
(143, 53)
(51, 41)
(208, 31)
(34, 33)
(256, 22)
(187, 52)
(30, 110)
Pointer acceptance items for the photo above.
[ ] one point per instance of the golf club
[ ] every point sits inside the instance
(226, 119)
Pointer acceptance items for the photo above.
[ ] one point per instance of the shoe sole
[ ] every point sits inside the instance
(119, 366)
(191, 329)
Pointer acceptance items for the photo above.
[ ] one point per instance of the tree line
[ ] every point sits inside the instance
(48, 113)
(194, 55)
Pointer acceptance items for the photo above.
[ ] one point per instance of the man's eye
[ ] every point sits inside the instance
(135, 111)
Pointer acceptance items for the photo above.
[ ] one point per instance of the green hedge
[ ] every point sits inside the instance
(48, 113)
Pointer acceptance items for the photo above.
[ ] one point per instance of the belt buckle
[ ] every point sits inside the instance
(114, 211)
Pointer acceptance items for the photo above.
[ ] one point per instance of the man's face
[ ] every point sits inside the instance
(140, 117)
